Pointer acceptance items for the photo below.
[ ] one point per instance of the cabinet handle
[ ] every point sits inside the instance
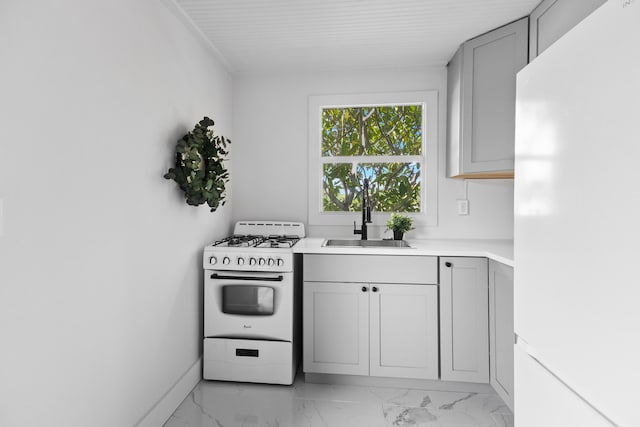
(364, 289)
(374, 289)
(447, 264)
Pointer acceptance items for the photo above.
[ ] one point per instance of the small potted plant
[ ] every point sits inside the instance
(400, 224)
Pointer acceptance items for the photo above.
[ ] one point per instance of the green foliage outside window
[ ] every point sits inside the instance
(382, 143)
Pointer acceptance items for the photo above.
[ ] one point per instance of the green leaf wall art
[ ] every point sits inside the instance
(199, 170)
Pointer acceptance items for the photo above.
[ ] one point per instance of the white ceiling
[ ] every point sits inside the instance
(276, 35)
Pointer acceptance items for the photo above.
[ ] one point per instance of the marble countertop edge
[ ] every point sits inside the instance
(496, 249)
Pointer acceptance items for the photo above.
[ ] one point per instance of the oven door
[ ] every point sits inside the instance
(250, 305)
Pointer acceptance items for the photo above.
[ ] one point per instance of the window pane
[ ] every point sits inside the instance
(372, 131)
(393, 187)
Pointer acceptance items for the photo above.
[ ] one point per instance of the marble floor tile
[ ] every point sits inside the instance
(448, 409)
(318, 413)
(223, 404)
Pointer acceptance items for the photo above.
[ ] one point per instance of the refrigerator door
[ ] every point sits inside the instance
(546, 401)
(577, 211)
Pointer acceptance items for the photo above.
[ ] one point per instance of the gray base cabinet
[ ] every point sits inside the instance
(335, 328)
(501, 335)
(551, 19)
(481, 94)
(364, 325)
(464, 323)
(403, 331)
(360, 326)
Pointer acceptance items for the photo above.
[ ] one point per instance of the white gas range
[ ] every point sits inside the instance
(251, 309)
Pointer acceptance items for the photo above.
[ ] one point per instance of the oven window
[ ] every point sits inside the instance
(248, 300)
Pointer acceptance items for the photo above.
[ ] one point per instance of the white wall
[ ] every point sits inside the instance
(270, 152)
(100, 258)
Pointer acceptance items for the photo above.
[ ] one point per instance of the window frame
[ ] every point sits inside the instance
(428, 159)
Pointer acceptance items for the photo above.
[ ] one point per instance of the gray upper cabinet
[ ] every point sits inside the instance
(481, 92)
(551, 19)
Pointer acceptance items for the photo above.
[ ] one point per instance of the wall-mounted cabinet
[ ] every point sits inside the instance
(464, 323)
(551, 19)
(481, 93)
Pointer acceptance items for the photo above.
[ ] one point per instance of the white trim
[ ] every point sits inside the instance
(162, 410)
(372, 159)
(372, 381)
(429, 162)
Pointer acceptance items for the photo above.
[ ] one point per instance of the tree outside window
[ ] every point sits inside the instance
(383, 143)
(391, 139)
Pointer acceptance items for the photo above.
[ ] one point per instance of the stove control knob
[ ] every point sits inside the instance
(240, 261)
(272, 262)
(226, 260)
(280, 262)
(261, 261)
(213, 260)
(252, 261)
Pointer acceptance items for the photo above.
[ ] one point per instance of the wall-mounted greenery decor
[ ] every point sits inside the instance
(199, 169)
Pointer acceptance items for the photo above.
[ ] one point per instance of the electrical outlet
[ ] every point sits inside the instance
(463, 207)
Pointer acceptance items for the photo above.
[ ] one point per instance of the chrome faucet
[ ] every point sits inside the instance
(366, 211)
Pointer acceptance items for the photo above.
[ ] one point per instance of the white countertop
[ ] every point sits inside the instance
(498, 250)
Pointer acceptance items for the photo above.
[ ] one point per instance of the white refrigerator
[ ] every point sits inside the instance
(577, 227)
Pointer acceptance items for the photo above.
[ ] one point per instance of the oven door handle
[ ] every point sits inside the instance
(257, 279)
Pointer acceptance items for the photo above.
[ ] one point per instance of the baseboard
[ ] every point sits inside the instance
(502, 393)
(162, 410)
(410, 383)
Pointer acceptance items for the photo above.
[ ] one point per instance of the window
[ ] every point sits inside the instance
(389, 139)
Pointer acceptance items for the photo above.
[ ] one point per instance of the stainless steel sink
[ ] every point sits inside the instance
(353, 243)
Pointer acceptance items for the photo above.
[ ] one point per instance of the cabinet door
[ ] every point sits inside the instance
(501, 330)
(551, 19)
(489, 66)
(336, 328)
(454, 116)
(404, 331)
(464, 319)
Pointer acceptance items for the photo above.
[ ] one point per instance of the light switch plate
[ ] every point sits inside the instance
(463, 206)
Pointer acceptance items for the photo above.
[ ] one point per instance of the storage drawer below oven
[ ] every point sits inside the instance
(248, 361)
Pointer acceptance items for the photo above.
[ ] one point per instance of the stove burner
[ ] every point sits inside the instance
(271, 241)
(240, 240)
(275, 244)
(277, 241)
(244, 240)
